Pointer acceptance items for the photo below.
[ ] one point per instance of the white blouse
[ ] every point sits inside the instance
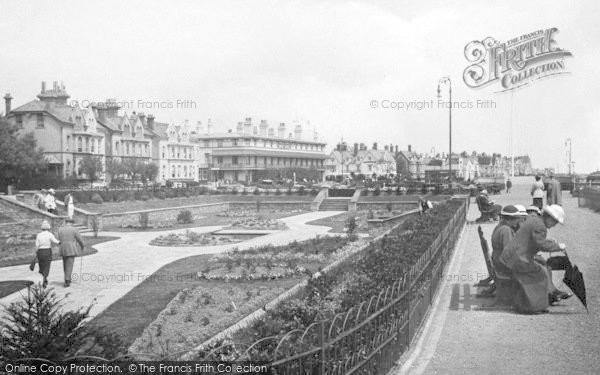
(45, 239)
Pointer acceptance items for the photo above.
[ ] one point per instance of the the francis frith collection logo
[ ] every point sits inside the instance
(514, 63)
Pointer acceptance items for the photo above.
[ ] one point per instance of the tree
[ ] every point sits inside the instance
(92, 167)
(39, 327)
(132, 167)
(113, 169)
(149, 172)
(19, 155)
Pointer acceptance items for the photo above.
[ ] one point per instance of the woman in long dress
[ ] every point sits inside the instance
(70, 205)
(535, 291)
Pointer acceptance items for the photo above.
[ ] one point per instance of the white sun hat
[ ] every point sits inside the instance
(522, 210)
(556, 212)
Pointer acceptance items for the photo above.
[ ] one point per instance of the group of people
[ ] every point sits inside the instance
(70, 244)
(523, 280)
(46, 201)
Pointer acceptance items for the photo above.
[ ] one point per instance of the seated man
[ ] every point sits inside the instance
(488, 209)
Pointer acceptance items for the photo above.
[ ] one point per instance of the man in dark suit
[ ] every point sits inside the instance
(71, 245)
(554, 192)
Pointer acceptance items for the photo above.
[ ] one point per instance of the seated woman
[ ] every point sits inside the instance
(535, 288)
(488, 209)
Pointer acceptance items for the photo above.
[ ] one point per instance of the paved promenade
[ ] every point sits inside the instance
(120, 265)
(461, 338)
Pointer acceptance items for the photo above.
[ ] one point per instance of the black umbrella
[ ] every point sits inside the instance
(559, 263)
(574, 280)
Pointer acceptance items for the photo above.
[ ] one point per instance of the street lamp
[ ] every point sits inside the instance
(444, 81)
(570, 165)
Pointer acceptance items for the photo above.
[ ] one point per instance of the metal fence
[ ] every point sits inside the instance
(370, 337)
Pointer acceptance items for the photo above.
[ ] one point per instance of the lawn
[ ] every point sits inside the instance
(12, 286)
(22, 254)
(116, 207)
(188, 301)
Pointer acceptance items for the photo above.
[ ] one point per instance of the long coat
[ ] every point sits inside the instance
(531, 276)
(554, 193)
(69, 238)
(502, 235)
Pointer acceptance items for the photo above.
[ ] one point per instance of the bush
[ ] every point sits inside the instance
(144, 220)
(377, 191)
(301, 190)
(97, 199)
(244, 192)
(289, 191)
(234, 191)
(39, 327)
(185, 217)
(277, 192)
(161, 195)
(256, 192)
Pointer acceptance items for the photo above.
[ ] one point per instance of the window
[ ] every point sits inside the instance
(68, 142)
(40, 120)
(234, 160)
(127, 149)
(173, 171)
(87, 144)
(220, 159)
(117, 148)
(93, 146)
(219, 143)
(164, 151)
(185, 171)
(79, 144)
(20, 121)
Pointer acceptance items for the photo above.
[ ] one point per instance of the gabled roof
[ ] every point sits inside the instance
(62, 112)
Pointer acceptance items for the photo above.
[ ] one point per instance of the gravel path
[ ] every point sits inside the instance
(460, 338)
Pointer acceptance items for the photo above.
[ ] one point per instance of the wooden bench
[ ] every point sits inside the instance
(486, 213)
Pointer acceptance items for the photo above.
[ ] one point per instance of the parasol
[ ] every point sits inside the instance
(574, 280)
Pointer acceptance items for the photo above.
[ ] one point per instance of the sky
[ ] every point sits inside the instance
(332, 65)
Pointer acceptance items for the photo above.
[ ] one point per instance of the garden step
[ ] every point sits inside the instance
(334, 204)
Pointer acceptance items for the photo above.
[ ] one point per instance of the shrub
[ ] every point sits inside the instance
(301, 190)
(39, 327)
(234, 191)
(277, 192)
(377, 191)
(244, 192)
(256, 192)
(161, 195)
(97, 199)
(144, 220)
(289, 191)
(185, 217)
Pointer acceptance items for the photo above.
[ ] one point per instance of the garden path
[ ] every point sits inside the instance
(120, 265)
(459, 337)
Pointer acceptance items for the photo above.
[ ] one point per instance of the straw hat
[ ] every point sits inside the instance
(46, 225)
(510, 211)
(51, 191)
(556, 212)
(535, 209)
(522, 210)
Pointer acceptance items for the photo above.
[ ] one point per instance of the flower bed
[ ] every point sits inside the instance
(237, 213)
(196, 314)
(258, 223)
(149, 226)
(191, 238)
(362, 277)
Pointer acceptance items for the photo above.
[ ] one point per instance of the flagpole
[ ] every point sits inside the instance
(512, 147)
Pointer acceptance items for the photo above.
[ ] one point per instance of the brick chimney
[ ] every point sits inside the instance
(386, 148)
(298, 132)
(375, 146)
(142, 117)
(271, 133)
(7, 103)
(263, 128)
(355, 149)
(248, 125)
(150, 121)
(396, 149)
(240, 127)
(209, 127)
(409, 148)
(199, 127)
(281, 130)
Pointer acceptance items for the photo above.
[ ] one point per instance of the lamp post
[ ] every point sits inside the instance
(570, 165)
(444, 81)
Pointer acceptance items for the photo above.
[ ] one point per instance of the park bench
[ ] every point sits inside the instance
(486, 212)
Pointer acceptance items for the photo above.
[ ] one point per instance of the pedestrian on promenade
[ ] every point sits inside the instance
(554, 193)
(50, 202)
(69, 238)
(535, 289)
(43, 244)
(508, 186)
(537, 192)
(70, 205)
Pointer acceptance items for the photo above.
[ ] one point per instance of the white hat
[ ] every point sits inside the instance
(522, 210)
(46, 225)
(51, 191)
(484, 192)
(556, 212)
(535, 209)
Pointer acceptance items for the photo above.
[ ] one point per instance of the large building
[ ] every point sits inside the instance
(66, 133)
(182, 153)
(250, 152)
(360, 160)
